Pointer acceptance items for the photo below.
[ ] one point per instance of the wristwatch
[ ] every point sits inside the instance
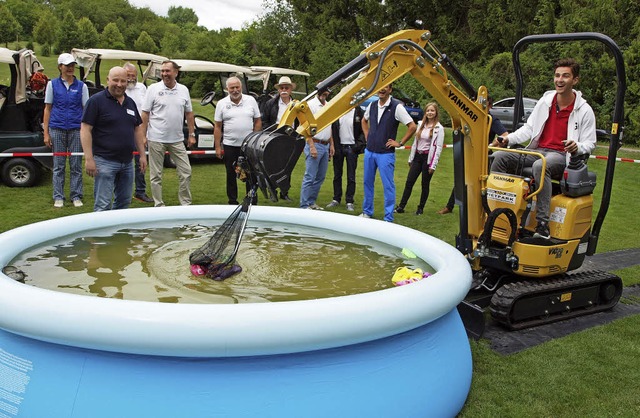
(193, 134)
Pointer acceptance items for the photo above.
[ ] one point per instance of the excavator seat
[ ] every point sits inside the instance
(576, 180)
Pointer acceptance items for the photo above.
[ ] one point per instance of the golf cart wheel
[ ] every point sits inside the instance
(20, 172)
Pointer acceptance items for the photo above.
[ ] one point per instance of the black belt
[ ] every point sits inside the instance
(317, 141)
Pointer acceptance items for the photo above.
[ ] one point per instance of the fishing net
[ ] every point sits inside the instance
(216, 258)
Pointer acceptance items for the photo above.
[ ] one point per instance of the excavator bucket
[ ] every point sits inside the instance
(270, 157)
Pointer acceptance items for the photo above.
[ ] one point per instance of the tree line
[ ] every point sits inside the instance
(320, 37)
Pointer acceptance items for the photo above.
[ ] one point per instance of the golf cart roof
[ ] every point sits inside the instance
(210, 66)
(278, 70)
(89, 60)
(6, 56)
(113, 54)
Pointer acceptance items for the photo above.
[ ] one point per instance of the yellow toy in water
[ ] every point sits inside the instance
(405, 275)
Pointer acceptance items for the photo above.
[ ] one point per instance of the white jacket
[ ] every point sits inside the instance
(435, 148)
(581, 127)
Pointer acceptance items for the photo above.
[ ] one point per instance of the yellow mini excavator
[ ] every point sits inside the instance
(523, 280)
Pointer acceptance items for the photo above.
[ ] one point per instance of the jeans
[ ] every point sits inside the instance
(314, 174)
(344, 152)
(386, 162)
(510, 162)
(419, 165)
(113, 181)
(178, 153)
(64, 140)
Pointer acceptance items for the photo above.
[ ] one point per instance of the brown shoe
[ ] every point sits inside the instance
(445, 210)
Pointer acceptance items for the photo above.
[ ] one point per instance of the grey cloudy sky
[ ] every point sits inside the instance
(213, 14)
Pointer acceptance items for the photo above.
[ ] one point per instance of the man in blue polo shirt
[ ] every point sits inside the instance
(380, 126)
(111, 130)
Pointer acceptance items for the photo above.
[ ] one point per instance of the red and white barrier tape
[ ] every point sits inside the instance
(202, 152)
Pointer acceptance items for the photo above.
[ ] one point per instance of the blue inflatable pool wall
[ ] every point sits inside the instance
(399, 352)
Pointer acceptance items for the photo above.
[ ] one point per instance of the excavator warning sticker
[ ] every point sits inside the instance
(558, 215)
(501, 196)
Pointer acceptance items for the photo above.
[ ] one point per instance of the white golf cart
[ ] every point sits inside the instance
(21, 111)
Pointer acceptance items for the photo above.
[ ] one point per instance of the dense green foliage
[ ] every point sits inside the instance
(319, 37)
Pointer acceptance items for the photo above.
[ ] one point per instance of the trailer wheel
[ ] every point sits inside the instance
(20, 172)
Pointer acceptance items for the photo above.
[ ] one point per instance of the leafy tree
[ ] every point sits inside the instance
(45, 31)
(9, 26)
(87, 34)
(25, 12)
(173, 44)
(111, 37)
(145, 43)
(182, 16)
(67, 33)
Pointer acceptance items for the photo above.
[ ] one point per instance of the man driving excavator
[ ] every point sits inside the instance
(562, 123)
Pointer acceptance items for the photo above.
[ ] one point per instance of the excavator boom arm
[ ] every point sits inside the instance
(411, 52)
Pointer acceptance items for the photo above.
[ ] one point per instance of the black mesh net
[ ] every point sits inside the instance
(216, 258)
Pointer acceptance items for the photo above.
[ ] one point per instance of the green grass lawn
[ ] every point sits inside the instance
(592, 373)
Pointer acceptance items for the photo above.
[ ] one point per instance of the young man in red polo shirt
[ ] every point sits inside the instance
(562, 123)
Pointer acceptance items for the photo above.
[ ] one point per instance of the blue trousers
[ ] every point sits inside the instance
(314, 174)
(64, 140)
(113, 181)
(386, 163)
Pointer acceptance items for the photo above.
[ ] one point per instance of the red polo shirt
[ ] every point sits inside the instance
(555, 129)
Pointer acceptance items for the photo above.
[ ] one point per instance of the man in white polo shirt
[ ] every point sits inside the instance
(239, 114)
(165, 108)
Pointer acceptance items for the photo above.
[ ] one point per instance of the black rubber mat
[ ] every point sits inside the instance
(509, 342)
(612, 260)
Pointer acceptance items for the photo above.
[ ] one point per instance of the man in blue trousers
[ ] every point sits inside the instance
(380, 125)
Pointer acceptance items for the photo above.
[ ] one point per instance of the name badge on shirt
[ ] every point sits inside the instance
(131, 112)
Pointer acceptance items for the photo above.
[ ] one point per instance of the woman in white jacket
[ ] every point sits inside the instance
(425, 153)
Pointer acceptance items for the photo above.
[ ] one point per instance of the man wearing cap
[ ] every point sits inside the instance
(318, 151)
(273, 111)
(237, 115)
(64, 100)
(166, 106)
(111, 130)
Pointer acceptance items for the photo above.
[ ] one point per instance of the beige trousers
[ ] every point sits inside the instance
(178, 154)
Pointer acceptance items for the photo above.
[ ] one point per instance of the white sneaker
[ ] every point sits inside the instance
(350, 207)
(58, 203)
(333, 204)
(77, 203)
(364, 215)
(316, 207)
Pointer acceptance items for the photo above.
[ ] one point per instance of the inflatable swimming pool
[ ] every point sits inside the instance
(401, 351)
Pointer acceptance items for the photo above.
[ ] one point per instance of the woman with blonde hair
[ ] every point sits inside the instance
(425, 153)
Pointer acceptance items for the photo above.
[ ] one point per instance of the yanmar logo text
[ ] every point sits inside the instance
(507, 179)
(460, 103)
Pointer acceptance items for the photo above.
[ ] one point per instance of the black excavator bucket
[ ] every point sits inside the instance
(270, 158)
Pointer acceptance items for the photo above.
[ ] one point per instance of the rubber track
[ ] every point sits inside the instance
(507, 296)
